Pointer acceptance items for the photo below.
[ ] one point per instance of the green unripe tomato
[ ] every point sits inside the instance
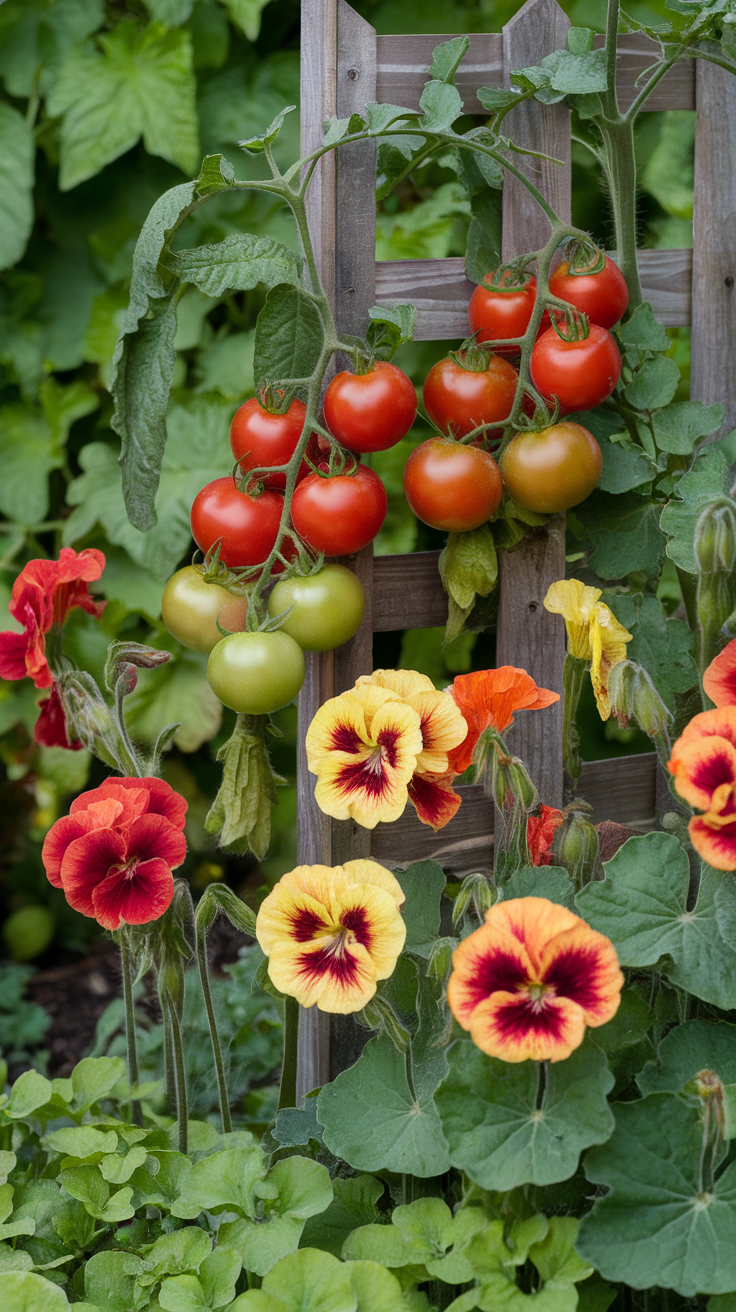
(190, 606)
(28, 932)
(256, 673)
(328, 607)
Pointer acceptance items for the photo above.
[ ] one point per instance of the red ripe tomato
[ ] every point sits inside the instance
(373, 411)
(246, 526)
(458, 400)
(342, 514)
(258, 438)
(552, 469)
(495, 313)
(450, 486)
(579, 374)
(602, 296)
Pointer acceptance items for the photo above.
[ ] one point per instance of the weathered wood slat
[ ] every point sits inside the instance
(712, 375)
(622, 789)
(441, 292)
(408, 592)
(403, 62)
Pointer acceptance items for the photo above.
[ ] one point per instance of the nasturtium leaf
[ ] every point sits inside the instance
(217, 1276)
(28, 454)
(660, 1224)
(295, 1126)
(641, 905)
(375, 1288)
(307, 1281)
(246, 14)
(118, 1170)
(237, 264)
(7, 1164)
(86, 1184)
(441, 104)
(109, 1280)
(423, 1233)
(625, 465)
(81, 1141)
(625, 533)
(289, 337)
(298, 1188)
(447, 57)
(654, 384)
(643, 332)
(694, 1046)
(195, 454)
(17, 152)
(709, 478)
(375, 1120)
(494, 1129)
(26, 1291)
(30, 1092)
(232, 1179)
(127, 83)
(353, 1205)
(663, 646)
(423, 883)
(182, 1294)
(551, 882)
(554, 1256)
(182, 1250)
(679, 427)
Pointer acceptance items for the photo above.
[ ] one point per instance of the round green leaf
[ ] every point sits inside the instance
(695, 1046)
(24, 1291)
(310, 1281)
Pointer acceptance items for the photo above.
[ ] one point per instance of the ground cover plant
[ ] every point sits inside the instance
(543, 1110)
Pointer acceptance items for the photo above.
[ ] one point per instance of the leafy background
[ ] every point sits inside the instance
(105, 106)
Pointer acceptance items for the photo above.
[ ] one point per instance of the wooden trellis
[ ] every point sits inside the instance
(344, 65)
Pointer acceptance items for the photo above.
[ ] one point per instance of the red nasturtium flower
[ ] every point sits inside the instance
(540, 834)
(528, 981)
(488, 699)
(50, 729)
(43, 594)
(703, 762)
(114, 853)
(719, 680)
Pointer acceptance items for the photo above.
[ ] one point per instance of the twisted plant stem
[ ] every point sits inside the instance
(169, 1073)
(287, 1090)
(182, 1108)
(126, 963)
(204, 979)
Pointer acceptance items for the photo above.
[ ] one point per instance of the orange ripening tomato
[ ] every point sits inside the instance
(450, 486)
(552, 469)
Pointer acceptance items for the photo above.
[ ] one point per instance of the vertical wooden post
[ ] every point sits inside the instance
(527, 636)
(712, 373)
(338, 76)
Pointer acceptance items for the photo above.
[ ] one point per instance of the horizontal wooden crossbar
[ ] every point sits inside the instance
(440, 290)
(403, 63)
(621, 789)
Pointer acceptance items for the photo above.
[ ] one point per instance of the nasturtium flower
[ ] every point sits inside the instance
(442, 724)
(703, 763)
(114, 853)
(434, 798)
(719, 680)
(487, 699)
(51, 729)
(331, 933)
(540, 834)
(43, 594)
(530, 979)
(593, 633)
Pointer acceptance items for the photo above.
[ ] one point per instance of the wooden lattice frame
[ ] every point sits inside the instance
(344, 65)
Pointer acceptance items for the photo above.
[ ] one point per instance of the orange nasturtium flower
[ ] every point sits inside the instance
(488, 699)
(331, 933)
(593, 633)
(528, 981)
(703, 762)
(719, 680)
(540, 834)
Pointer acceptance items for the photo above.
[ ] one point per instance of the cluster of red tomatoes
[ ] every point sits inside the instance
(458, 487)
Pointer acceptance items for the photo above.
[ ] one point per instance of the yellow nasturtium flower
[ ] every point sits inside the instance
(330, 933)
(593, 633)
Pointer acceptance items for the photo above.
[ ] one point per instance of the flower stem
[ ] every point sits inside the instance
(130, 1038)
(287, 1091)
(182, 1109)
(541, 1085)
(572, 683)
(169, 1074)
(204, 979)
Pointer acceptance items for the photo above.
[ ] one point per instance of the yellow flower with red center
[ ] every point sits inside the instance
(528, 982)
(331, 933)
(593, 633)
(703, 762)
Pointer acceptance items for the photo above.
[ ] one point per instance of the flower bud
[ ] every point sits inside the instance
(575, 846)
(476, 889)
(634, 696)
(511, 784)
(440, 959)
(715, 538)
(380, 1015)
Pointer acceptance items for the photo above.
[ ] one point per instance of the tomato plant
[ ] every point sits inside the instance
(327, 607)
(256, 673)
(450, 486)
(579, 374)
(498, 312)
(552, 469)
(244, 524)
(459, 397)
(340, 514)
(370, 411)
(259, 437)
(191, 604)
(602, 296)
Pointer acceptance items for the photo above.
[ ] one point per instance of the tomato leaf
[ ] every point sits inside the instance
(678, 427)
(240, 815)
(663, 646)
(17, 155)
(441, 104)
(447, 57)
(238, 263)
(654, 384)
(289, 337)
(469, 565)
(256, 144)
(643, 332)
(390, 327)
(625, 534)
(214, 172)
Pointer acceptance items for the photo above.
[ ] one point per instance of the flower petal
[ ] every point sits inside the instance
(151, 836)
(574, 601)
(715, 842)
(513, 1027)
(540, 833)
(336, 979)
(719, 680)
(139, 796)
(372, 917)
(434, 798)
(405, 683)
(488, 699)
(443, 727)
(608, 641)
(13, 648)
(702, 765)
(338, 726)
(50, 729)
(582, 965)
(57, 840)
(132, 801)
(134, 896)
(490, 960)
(297, 910)
(371, 786)
(86, 862)
(370, 872)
